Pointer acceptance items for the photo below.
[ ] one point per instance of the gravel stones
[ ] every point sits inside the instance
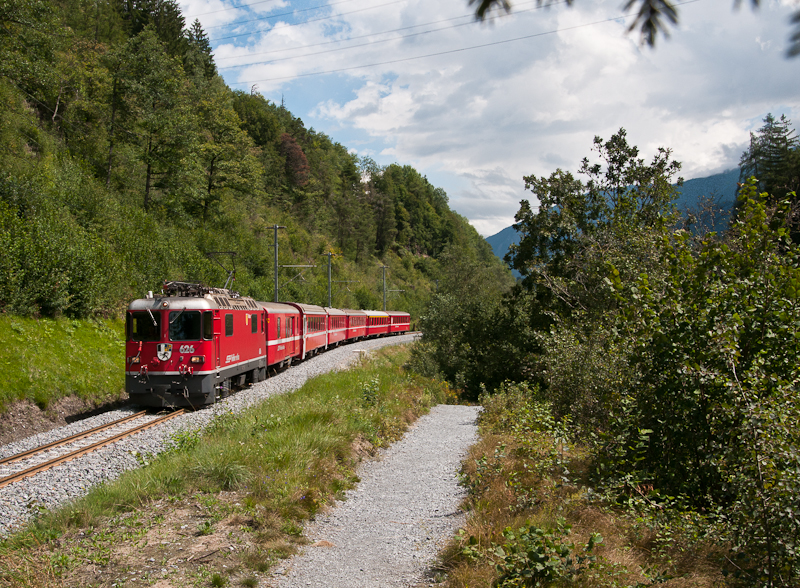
(390, 528)
(22, 500)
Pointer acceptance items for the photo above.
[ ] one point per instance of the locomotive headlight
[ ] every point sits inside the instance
(198, 359)
(134, 359)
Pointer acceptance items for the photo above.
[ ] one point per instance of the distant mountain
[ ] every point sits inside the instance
(720, 188)
(502, 241)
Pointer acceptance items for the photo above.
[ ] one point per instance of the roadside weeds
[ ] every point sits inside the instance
(534, 520)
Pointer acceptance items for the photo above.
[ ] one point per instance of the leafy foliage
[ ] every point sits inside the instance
(126, 160)
(532, 556)
(674, 353)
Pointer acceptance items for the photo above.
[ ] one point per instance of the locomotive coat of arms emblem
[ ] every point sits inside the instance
(164, 351)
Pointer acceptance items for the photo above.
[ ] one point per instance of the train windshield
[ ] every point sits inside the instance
(184, 325)
(141, 327)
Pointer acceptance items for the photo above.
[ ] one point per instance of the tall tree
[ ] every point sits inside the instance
(772, 157)
(579, 228)
(164, 16)
(297, 168)
(198, 58)
(160, 120)
(382, 206)
(227, 154)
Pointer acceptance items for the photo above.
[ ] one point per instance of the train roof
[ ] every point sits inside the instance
(376, 313)
(334, 311)
(279, 307)
(397, 313)
(195, 296)
(308, 308)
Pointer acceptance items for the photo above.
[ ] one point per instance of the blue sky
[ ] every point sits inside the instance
(477, 106)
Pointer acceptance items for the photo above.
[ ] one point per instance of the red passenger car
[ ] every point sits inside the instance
(356, 324)
(399, 322)
(314, 325)
(284, 339)
(377, 323)
(337, 326)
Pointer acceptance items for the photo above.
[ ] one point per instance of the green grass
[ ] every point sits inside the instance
(43, 360)
(284, 460)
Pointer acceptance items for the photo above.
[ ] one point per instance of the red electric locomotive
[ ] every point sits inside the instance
(193, 344)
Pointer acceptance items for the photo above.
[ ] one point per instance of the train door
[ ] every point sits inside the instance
(264, 333)
(290, 342)
(217, 332)
(304, 327)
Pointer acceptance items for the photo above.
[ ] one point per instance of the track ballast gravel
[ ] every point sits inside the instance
(22, 500)
(390, 528)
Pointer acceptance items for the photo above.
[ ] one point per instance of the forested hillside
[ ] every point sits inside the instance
(126, 160)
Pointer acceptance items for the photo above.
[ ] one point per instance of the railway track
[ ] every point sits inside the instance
(33, 454)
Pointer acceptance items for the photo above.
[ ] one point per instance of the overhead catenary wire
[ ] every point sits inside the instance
(451, 51)
(357, 37)
(398, 38)
(438, 53)
(240, 6)
(329, 17)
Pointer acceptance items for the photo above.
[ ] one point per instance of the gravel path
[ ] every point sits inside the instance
(22, 500)
(391, 527)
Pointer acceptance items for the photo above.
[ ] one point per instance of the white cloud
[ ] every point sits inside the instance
(479, 119)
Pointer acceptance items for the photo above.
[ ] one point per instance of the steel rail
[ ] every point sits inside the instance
(70, 439)
(83, 451)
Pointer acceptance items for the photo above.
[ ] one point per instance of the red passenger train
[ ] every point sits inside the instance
(193, 344)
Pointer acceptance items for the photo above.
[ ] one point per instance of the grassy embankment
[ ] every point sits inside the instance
(43, 360)
(223, 506)
(534, 519)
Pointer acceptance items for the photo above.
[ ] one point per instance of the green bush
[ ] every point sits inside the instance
(533, 556)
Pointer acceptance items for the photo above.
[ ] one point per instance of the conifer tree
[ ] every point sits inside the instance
(198, 58)
(772, 157)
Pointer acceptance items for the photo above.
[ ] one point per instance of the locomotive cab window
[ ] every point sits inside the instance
(141, 327)
(184, 325)
(228, 325)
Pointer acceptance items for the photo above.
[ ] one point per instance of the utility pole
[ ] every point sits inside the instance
(276, 227)
(383, 267)
(330, 255)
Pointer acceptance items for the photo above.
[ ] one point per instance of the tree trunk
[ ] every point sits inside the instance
(111, 133)
(149, 175)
